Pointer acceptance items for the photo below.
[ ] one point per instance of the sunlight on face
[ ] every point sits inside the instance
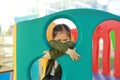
(62, 37)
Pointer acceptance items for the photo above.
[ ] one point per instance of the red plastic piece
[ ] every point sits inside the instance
(74, 32)
(103, 31)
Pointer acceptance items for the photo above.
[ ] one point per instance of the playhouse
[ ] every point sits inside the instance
(31, 39)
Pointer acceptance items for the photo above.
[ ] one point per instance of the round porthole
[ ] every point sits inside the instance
(61, 30)
(62, 21)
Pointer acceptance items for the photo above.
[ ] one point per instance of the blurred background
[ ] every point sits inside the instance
(13, 11)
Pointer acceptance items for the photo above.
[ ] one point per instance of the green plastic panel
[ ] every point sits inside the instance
(31, 42)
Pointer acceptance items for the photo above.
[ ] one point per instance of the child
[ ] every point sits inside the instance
(60, 45)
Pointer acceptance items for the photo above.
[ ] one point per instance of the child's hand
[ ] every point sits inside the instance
(47, 55)
(73, 54)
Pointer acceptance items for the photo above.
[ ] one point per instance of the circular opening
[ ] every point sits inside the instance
(60, 21)
(62, 30)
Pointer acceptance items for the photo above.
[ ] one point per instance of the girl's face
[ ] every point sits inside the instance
(62, 37)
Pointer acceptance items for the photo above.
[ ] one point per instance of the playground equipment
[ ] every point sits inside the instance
(103, 30)
(30, 35)
(6, 76)
(39, 66)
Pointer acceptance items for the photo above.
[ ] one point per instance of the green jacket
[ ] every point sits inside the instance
(57, 49)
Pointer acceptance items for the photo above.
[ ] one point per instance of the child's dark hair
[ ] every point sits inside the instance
(60, 28)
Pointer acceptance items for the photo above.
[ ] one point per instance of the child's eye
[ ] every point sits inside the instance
(65, 39)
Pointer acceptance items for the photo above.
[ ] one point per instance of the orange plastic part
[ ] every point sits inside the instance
(103, 31)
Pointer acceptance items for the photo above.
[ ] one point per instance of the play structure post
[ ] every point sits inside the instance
(103, 30)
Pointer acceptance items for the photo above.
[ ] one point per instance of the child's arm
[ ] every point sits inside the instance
(55, 54)
(58, 49)
(73, 54)
(61, 48)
